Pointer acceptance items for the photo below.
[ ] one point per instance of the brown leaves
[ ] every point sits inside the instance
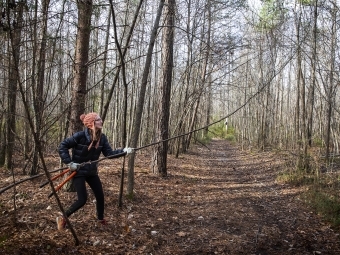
(204, 206)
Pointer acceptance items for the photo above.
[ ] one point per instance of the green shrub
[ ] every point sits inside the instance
(325, 204)
(318, 142)
(218, 130)
(230, 137)
(296, 178)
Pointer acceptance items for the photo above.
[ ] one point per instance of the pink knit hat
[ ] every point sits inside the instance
(88, 120)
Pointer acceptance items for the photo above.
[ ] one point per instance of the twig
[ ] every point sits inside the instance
(27, 179)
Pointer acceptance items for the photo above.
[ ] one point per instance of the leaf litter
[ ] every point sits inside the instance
(217, 201)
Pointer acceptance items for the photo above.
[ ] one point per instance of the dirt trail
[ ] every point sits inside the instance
(215, 200)
(246, 212)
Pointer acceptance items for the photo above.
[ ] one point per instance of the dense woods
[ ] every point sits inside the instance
(166, 77)
(159, 69)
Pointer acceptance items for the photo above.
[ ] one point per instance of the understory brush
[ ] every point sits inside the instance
(325, 202)
(220, 131)
(321, 186)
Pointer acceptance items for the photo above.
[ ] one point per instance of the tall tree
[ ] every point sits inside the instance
(127, 43)
(331, 91)
(299, 77)
(38, 92)
(14, 23)
(102, 88)
(311, 95)
(311, 92)
(205, 49)
(140, 103)
(80, 69)
(160, 153)
(124, 133)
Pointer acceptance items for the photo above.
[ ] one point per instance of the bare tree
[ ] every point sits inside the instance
(160, 152)
(205, 49)
(14, 22)
(329, 84)
(140, 104)
(80, 71)
(38, 92)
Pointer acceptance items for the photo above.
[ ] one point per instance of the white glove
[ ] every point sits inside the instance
(73, 166)
(128, 150)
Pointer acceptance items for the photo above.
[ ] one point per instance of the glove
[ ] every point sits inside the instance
(128, 150)
(73, 166)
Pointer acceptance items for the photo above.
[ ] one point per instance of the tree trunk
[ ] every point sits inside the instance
(140, 103)
(15, 44)
(205, 48)
(109, 96)
(38, 92)
(297, 133)
(102, 90)
(311, 93)
(310, 100)
(160, 152)
(331, 92)
(80, 69)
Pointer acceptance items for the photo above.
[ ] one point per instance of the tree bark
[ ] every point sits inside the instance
(160, 152)
(140, 103)
(15, 44)
(331, 92)
(205, 49)
(38, 92)
(80, 69)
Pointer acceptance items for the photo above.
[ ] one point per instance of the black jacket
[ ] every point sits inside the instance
(79, 143)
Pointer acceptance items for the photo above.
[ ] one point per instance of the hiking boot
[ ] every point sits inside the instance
(61, 223)
(102, 222)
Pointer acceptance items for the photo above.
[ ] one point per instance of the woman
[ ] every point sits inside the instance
(87, 145)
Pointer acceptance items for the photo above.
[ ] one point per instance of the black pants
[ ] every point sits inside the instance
(80, 186)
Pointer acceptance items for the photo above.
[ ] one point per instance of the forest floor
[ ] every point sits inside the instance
(216, 200)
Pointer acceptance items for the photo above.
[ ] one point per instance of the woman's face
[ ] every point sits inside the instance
(98, 123)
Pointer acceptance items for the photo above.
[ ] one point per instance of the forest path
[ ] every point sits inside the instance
(231, 204)
(216, 199)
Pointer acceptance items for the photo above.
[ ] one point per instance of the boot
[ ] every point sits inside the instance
(61, 223)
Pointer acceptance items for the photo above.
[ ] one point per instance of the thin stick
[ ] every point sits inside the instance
(27, 179)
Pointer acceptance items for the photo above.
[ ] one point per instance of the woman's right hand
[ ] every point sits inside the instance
(73, 166)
